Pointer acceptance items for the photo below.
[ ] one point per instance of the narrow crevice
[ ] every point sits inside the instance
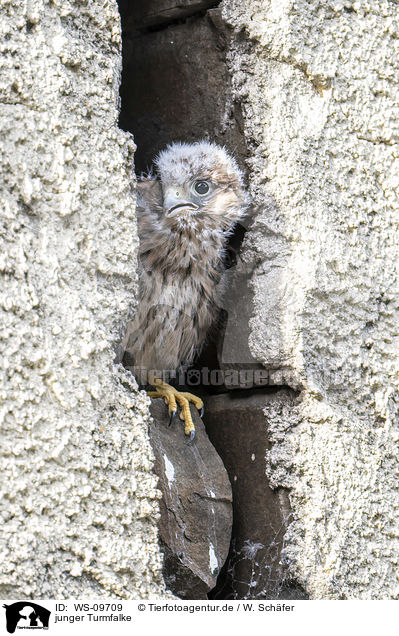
(255, 567)
(176, 87)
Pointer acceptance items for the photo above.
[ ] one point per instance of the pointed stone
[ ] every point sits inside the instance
(196, 505)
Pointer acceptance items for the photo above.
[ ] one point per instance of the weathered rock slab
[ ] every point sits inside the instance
(79, 502)
(196, 506)
(321, 110)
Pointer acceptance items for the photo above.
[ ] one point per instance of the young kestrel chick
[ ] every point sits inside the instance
(184, 218)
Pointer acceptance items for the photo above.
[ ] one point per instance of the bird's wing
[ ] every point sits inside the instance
(149, 208)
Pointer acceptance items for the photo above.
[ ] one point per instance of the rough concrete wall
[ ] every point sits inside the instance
(318, 83)
(79, 501)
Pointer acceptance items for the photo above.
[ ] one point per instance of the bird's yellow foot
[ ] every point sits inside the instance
(173, 397)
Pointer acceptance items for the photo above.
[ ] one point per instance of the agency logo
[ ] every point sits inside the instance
(26, 615)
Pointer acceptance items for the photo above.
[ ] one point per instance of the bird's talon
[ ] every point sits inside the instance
(172, 398)
(201, 414)
(172, 418)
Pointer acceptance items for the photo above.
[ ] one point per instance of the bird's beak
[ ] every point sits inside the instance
(182, 205)
(175, 200)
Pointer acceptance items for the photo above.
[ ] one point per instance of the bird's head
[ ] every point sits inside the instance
(200, 182)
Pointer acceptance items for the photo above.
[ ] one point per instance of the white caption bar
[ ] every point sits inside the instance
(154, 617)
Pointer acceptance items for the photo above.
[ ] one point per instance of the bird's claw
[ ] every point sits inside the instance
(173, 398)
(201, 413)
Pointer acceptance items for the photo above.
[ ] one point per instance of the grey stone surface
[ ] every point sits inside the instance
(196, 509)
(241, 369)
(79, 502)
(238, 429)
(320, 100)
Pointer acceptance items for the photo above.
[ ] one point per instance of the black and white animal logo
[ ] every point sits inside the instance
(26, 615)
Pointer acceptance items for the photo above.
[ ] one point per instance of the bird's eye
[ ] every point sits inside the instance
(201, 187)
